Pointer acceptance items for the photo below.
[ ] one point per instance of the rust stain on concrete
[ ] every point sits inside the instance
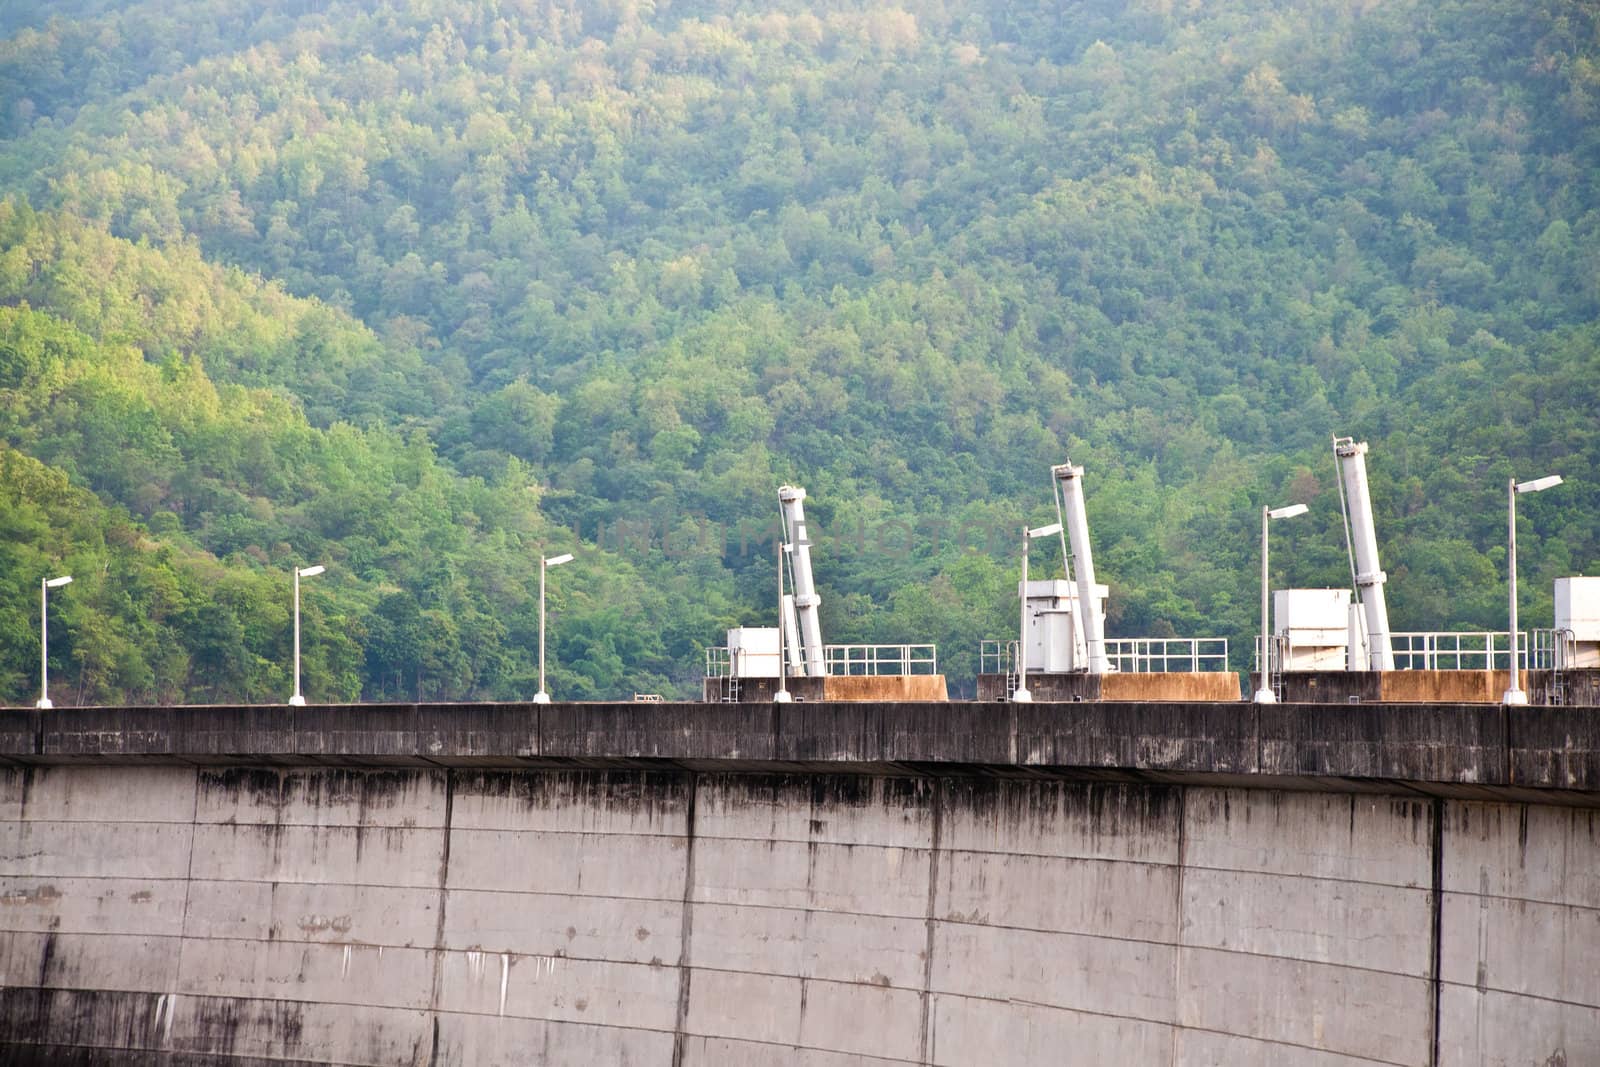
(916, 687)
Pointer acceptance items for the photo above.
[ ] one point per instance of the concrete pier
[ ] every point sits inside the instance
(824, 884)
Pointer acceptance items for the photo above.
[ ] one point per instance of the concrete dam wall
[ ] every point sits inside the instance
(166, 905)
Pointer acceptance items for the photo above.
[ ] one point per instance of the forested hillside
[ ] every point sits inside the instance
(421, 289)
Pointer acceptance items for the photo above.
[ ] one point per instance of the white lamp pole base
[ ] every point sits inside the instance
(1265, 696)
(1514, 696)
(541, 697)
(297, 701)
(1022, 696)
(782, 697)
(44, 703)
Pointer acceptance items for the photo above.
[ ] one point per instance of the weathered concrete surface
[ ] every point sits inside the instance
(898, 687)
(1157, 686)
(1439, 687)
(1521, 892)
(1393, 687)
(162, 913)
(1328, 687)
(1058, 688)
(880, 687)
(1482, 751)
(1171, 686)
(1579, 687)
(760, 690)
(819, 883)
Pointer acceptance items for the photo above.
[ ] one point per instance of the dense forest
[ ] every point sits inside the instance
(421, 290)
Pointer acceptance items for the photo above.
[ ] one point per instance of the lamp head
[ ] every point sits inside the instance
(1045, 531)
(311, 572)
(556, 561)
(57, 583)
(1549, 481)
(1288, 512)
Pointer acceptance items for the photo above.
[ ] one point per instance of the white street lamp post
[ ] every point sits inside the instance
(1514, 693)
(1022, 696)
(298, 700)
(545, 563)
(1265, 695)
(45, 585)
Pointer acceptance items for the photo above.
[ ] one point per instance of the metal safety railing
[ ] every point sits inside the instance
(837, 661)
(721, 666)
(1553, 650)
(1457, 650)
(995, 656)
(1167, 655)
(850, 660)
(1556, 651)
(999, 657)
(1419, 650)
(1130, 655)
(720, 662)
(1277, 652)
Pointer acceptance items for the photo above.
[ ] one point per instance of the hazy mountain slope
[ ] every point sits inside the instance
(210, 491)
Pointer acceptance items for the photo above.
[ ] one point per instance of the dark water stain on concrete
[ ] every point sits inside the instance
(45, 894)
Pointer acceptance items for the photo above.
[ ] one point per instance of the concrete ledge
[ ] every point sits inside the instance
(19, 734)
(760, 690)
(879, 687)
(1167, 687)
(1458, 743)
(1221, 686)
(1327, 687)
(224, 732)
(1453, 687)
(885, 687)
(881, 732)
(1581, 687)
(1046, 688)
(1203, 737)
(655, 731)
(1554, 748)
(1439, 748)
(111, 733)
(417, 732)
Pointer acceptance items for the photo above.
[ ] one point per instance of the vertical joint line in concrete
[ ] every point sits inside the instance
(1436, 948)
(686, 930)
(188, 887)
(926, 1053)
(444, 881)
(1255, 726)
(1505, 744)
(1177, 923)
(1013, 730)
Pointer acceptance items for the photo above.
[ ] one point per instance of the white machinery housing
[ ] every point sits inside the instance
(1054, 632)
(753, 652)
(1577, 618)
(1312, 628)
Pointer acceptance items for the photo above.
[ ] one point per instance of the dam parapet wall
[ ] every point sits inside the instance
(1496, 750)
(813, 886)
